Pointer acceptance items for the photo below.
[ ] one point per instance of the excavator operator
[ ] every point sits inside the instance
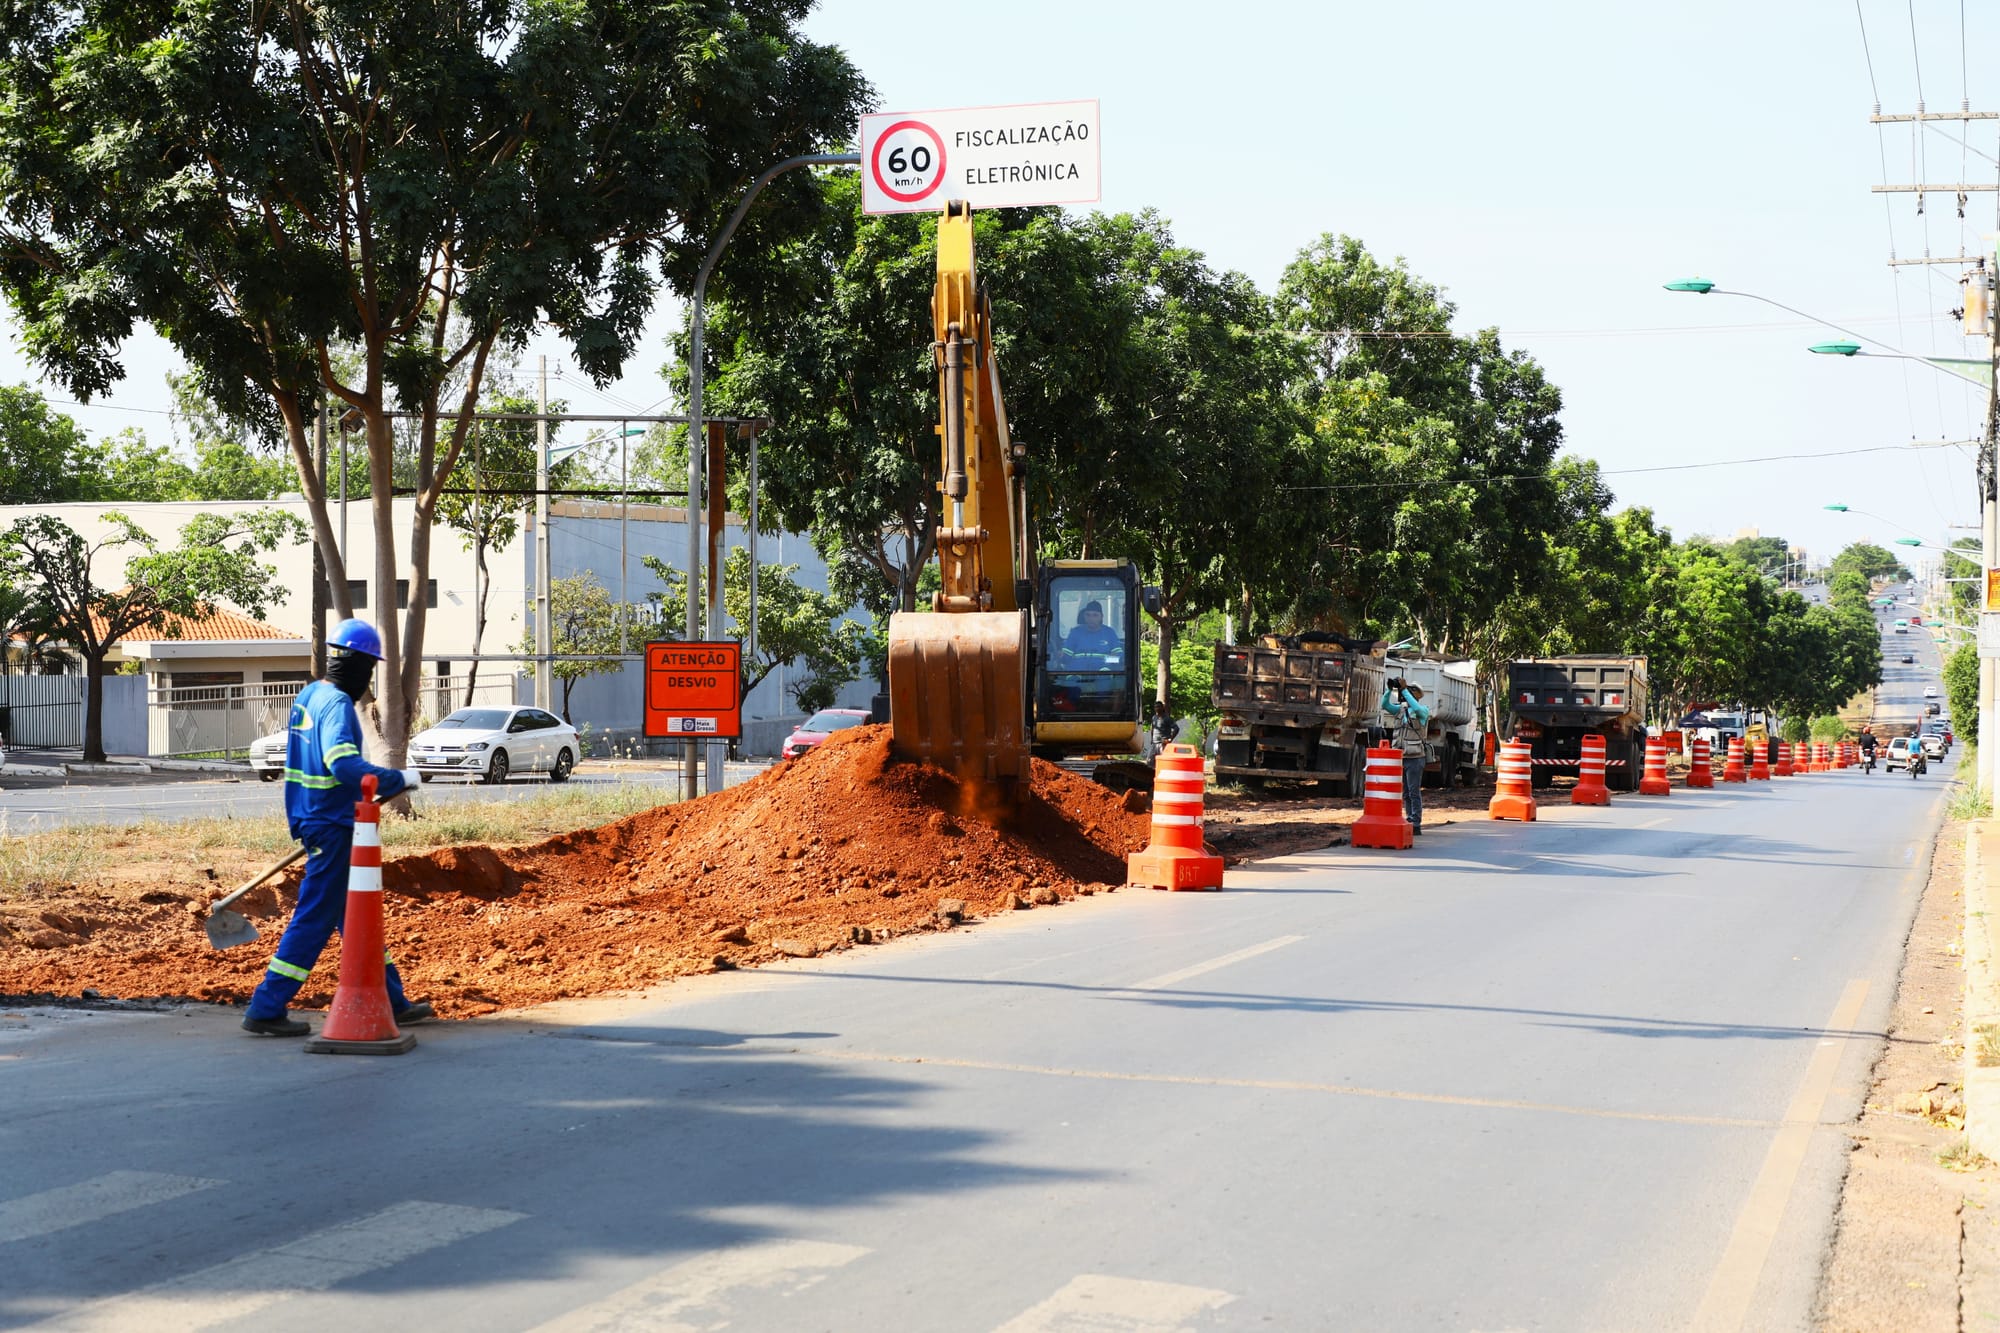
(1091, 637)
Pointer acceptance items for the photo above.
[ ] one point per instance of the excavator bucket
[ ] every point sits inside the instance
(958, 691)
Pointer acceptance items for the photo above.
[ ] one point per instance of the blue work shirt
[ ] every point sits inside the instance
(1102, 641)
(323, 763)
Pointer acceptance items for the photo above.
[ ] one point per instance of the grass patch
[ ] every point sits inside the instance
(1969, 802)
(1962, 1156)
(60, 856)
(75, 854)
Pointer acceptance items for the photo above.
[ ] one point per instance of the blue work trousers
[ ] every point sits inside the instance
(1413, 790)
(321, 909)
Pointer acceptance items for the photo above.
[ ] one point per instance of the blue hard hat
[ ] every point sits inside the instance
(356, 636)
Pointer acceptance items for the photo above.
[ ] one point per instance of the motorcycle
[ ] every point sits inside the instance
(1918, 763)
(1867, 761)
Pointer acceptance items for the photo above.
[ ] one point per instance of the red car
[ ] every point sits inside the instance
(819, 726)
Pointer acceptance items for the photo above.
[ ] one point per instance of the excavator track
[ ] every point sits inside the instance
(958, 691)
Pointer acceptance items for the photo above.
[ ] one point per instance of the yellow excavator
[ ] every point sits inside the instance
(1012, 658)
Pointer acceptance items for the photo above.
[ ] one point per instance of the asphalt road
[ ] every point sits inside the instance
(41, 805)
(1586, 1073)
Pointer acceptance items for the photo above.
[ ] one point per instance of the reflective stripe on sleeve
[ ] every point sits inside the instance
(341, 751)
(290, 970)
(305, 779)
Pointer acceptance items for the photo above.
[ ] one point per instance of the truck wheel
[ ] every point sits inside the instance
(1357, 775)
(1250, 783)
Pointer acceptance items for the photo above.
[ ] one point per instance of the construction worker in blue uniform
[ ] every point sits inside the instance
(323, 772)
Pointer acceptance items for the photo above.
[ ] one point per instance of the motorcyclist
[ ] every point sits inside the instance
(1868, 744)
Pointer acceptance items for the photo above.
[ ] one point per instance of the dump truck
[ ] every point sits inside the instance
(1298, 708)
(1554, 702)
(1451, 750)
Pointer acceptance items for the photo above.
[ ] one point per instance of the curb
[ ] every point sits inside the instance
(31, 771)
(107, 768)
(198, 766)
(1982, 997)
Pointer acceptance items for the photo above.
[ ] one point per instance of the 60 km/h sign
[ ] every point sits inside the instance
(694, 689)
(991, 157)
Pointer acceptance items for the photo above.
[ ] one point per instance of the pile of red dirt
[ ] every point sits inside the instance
(842, 846)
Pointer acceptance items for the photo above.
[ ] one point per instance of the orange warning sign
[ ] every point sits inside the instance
(694, 689)
(1993, 590)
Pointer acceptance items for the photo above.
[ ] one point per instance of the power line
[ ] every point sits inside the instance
(1497, 478)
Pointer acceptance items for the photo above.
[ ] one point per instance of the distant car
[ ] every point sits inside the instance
(1901, 630)
(1898, 754)
(1933, 744)
(815, 729)
(1907, 659)
(1930, 691)
(494, 744)
(267, 757)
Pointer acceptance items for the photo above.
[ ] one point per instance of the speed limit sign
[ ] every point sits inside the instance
(907, 162)
(990, 157)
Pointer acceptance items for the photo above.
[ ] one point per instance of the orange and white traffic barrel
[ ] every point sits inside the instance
(1701, 764)
(1590, 788)
(1655, 783)
(1514, 783)
(1382, 822)
(1782, 752)
(361, 1021)
(1176, 857)
(1760, 766)
(1732, 767)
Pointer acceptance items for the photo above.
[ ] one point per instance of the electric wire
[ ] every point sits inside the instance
(1501, 477)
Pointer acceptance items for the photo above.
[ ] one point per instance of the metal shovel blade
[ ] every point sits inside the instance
(228, 929)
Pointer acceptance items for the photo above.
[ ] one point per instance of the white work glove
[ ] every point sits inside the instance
(412, 779)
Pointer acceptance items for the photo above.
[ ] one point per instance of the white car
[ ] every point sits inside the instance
(1930, 692)
(267, 756)
(493, 744)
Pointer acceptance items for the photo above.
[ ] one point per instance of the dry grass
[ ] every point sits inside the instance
(78, 853)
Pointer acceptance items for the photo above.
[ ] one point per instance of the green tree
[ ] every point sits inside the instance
(44, 456)
(584, 621)
(419, 183)
(1961, 689)
(216, 560)
(1869, 561)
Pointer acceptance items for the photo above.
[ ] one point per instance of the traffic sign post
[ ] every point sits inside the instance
(694, 690)
(991, 157)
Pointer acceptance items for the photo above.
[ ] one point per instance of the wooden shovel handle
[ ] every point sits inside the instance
(262, 875)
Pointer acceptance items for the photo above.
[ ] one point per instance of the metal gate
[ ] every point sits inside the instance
(218, 721)
(42, 712)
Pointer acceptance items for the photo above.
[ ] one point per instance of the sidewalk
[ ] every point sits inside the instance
(38, 763)
(1982, 986)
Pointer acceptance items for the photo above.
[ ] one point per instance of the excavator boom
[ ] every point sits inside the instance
(958, 673)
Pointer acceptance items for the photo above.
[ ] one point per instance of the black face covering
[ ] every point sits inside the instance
(350, 672)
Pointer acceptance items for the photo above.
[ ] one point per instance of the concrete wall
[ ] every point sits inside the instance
(125, 715)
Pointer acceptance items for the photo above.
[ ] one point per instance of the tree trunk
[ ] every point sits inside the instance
(93, 710)
(478, 615)
(393, 700)
(1164, 676)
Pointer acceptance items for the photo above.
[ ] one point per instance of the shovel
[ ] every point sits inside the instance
(228, 929)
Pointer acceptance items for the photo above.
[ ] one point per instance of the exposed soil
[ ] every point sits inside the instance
(840, 847)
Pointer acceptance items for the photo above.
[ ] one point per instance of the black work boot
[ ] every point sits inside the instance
(418, 1012)
(280, 1026)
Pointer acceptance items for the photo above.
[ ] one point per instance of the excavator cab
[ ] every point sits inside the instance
(1087, 670)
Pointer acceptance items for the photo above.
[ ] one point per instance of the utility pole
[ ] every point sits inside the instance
(320, 590)
(1978, 322)
(544, 635)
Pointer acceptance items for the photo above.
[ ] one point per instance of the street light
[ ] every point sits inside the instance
(1978, 371)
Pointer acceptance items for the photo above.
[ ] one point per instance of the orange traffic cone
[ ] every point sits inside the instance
(1701, 765)
(1732, 767)
(361, 1021)
(1590, 788)
(1382, 822)
(1654, 783)
(1783, 753)
(1818, 764)
(1760, 767)
(1176, 857)
(1514, 783)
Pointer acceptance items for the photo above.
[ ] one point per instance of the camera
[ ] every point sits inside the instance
(1398, 683)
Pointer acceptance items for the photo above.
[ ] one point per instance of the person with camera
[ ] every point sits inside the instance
(1409, 724)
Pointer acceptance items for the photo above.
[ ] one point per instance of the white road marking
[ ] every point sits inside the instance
(1189, 973)
(314, 1262)
(99, 1197)
(655, 1304)
(1732, 1288)
(1094, 1303)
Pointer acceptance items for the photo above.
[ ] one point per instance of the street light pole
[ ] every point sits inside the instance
(697, 424)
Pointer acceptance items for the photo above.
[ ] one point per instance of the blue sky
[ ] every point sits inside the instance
(1550, 165)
